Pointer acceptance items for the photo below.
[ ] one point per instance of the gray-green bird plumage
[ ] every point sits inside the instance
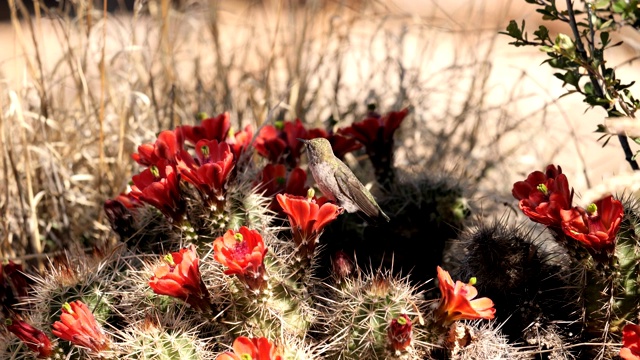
(337, 181)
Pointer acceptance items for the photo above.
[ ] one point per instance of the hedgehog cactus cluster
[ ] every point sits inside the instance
(219, 257)
(226, 251)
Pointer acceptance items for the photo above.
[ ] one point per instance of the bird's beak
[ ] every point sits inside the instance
(302, 140)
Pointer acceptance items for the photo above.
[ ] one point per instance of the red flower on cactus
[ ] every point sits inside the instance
(596, 227)
(35, 339)
(239, 142)
(14, 282)
(275, 180)
(215, 128)
(120, 212)
(254, 349)
(293, 131)
(543, 195)
(307, 218)
(78, 325)
(242, 252)
(211, 172)
(373, 131)
(376, 134)
(168, 147)
(270, 145)
(129, 201)
(400, 333)
(340, 144)
(159, 186)
(458, 302)
(180, 278)
(281, 145)
(630, 342)
(341, 265)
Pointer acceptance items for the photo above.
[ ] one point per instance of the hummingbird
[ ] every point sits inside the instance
(337, 182)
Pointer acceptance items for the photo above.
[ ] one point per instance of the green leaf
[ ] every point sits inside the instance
(606, 25)
(566, 46)
(542, 33)
(588, 89)
(601, 4)
(604, 38)
(513, 30)
(619, 6)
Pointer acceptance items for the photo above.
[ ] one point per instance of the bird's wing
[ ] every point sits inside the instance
(356, 192)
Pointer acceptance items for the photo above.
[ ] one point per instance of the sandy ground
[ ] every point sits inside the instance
(566, 137)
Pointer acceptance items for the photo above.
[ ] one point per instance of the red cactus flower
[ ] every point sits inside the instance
(215, 128)
(180, 278)
(120, 212)
(12, 278)
(373, 131)
(242, 252)
(281, 145)
(340, 144)
(341, 265)
(145, 155)
(168, 147)
(275, 180)
(35, 339)
(293, 131)
(400, 333)
(211, 173)
(270, 145)
(543, 195)
(239, 142)
(376, 134)
(307, 218)
(128, 200)
(596, 227)
(630, 342)
(254, 349)
(457, 301)
(159, 186)
(78, 325)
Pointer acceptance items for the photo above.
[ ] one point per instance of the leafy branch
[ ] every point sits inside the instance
(580, 56)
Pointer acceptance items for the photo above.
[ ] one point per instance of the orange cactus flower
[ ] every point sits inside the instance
(242, 252)
(596, 227)
(78, 325)
(35, 339)
(307, 218)
(457, 301)
(180, 278)
(245, 348)
(630, 342)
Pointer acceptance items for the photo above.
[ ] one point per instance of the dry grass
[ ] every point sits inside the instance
(88, 87)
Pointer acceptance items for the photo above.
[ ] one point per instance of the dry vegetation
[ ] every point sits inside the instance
(87, 87)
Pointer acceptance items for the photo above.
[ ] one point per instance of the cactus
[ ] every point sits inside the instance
(480, 341)
(433, 208)
(611, 289)
(165, 337)
(513, 267)
(358, 315)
